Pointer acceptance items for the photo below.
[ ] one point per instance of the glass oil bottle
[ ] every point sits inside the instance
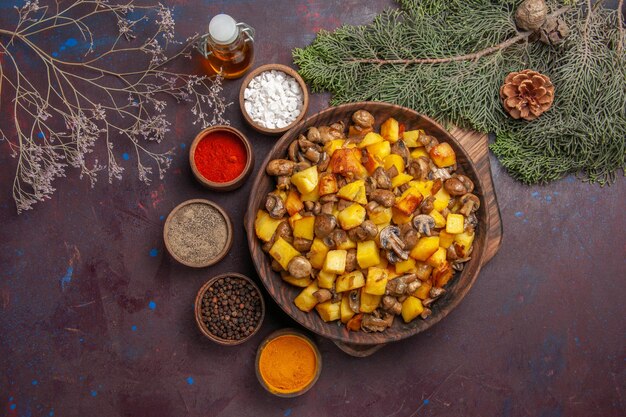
(228, 47)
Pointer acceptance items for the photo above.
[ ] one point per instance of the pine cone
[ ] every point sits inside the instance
(554, 31)
(531, 14)
(527, 94)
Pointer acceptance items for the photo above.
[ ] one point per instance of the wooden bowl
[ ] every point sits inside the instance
(288, 332)
(287, 70)
(219, 256)
(284, 294)
(222, 186)
(198, 310)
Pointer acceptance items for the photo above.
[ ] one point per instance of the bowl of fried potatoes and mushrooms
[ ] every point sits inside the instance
(367, 223)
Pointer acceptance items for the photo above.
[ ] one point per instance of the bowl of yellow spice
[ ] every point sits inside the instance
(288, 363)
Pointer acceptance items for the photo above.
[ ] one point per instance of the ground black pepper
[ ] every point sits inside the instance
(231, 308)
(197, 233)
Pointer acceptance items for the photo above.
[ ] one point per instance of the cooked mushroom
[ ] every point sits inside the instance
(441, 173)
(365, 231)
(301, 166)
(363, 118)
(284, 230)
(312, 155)
(413, 286)
(342, 204)
(370, 186)
(470, 224)
(401, 189)
(392, 305)
(470, 202)
(313, 206)
(351, 263)
(275, 206)
(428, 301)
(283, 182)
(390, 240)
(328, 198)
(277, 167)
(383, 197)
(293, 150)
(336, 238)
(398, 286)
(451, 254)
(392, 171)
(459, 185)
(424, 223)
(409, 236)
(374, 323)
(323, 162)
(426, 313)
(324, 225)
(314, 135)
(436, 292)
(338, 127)
(306, 144)
(419, 168)
(427, 205)
(373, 207)
(459, 264)
(327, 208)
(399, 148)
(299, 267)
(332, 132)
(302, 244)
(276, 266)
(428, 141)
(266, 246)
(337, 296)
(322, 295)
(382, 179)
(454, 187)
(354, 300)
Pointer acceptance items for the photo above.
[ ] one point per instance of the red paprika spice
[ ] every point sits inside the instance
(220, 156)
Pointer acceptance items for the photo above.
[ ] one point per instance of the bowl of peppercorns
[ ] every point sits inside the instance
(229, 309)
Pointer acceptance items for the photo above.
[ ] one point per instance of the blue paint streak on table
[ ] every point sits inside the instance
(97, 320)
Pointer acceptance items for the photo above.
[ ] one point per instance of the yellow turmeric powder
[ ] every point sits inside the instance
(287, 364)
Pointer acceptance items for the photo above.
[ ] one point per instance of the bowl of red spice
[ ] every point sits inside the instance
(221, 158)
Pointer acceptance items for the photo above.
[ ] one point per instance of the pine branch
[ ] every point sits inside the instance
(430, 56)
(467, 57)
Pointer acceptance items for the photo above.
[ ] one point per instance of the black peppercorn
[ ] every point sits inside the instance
(231, 308)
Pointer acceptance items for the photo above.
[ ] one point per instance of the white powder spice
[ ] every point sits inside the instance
(273, 99)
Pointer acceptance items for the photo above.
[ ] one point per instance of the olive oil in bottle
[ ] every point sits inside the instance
(228, 48)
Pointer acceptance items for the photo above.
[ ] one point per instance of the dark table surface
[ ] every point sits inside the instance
(96, 320)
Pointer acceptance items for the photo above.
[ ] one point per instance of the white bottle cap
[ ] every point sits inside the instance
(223, 29)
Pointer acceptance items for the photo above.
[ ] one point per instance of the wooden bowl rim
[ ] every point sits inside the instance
(288, 332)
(289, 71)
(227, 244)
(477, 254)
(221, 186)
(198, 309)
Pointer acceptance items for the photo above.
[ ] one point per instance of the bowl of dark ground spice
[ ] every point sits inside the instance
(198, 233)
(229, 309)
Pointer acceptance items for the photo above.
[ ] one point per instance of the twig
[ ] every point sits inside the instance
(57, 124)
(468, 57)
